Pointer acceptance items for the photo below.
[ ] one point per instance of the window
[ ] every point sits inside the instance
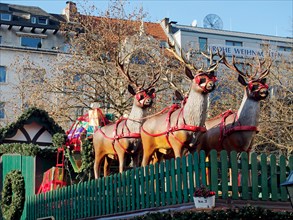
(42, 20)
(233, 43)
(34, 20)
(31, 42)
(0, 39)
(2, 112)
(5, 17)
(203, 44)
(284, 49)
(2, 74)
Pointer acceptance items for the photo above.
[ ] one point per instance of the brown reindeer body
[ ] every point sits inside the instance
(117, 140)
(235, 131)
(180, 129)
(123, 137)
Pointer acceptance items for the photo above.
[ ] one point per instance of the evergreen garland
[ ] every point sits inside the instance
(25, 149)
(87, 158)
(13, 195)
(59, 139)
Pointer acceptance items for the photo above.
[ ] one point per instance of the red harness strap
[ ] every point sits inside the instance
(224, 132)
(177, 127)
(120, 136)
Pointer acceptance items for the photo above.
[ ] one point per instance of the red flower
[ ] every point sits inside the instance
(203, 191)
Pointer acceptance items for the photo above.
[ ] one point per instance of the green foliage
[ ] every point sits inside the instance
(59, 139)
(87, 157)
(13, 195)
(25, 149)
(247, 212)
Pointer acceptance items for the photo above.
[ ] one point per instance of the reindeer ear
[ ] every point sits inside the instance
(263, 81)
(151, 91)
(242, 80)
(178, 95)
(131, 90)
(188, 73)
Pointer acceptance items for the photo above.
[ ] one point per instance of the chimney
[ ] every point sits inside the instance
(70, 11)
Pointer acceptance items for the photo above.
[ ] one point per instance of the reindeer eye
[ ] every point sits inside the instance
(141, 97)
(202, 80)
(255, 87)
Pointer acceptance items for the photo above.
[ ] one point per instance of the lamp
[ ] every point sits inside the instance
(289, 186)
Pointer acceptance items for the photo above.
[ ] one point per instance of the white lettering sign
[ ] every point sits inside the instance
(247, 52)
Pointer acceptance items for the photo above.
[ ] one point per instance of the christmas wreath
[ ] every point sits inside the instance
(13, 195)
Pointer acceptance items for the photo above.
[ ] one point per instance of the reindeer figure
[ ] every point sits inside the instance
(115, 140)
(180, 127)
(235, 131)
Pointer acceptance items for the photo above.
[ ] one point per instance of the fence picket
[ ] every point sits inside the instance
(163, 179)
(173, 181)
(179, 180)
(147, 186)
(203, 167)
(190, 176)
(282, 168)
(168, 183)
(254, 176)
(224, 173)
(127, 188)
(115, 194)
(100, 196)
(273, 178)
(133, 189)
(234, 174)
(196, 169)
(107, 190)
(124, 199)
(143, 186)
(214, 171)
(119, 193)
(244, 175)
(111, 194)
(151, 185)
(157, 186)
(184, 180)
(137, 188)
(264, 177)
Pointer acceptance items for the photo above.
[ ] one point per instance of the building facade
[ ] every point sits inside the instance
(193, 39)
(30, 42)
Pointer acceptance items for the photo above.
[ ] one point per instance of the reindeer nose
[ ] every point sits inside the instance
(263, 93)
(210, 86)
(148, 101)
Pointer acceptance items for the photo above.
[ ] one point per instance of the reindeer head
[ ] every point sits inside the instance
(203, 80)
(255, 83)
(143, 97)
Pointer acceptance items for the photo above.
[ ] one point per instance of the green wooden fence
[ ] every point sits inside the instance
(169, 183)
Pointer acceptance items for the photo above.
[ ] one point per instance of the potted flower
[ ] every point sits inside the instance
(203, 197)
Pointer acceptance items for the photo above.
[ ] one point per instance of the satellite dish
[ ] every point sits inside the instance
(194, 23)
(213, 21)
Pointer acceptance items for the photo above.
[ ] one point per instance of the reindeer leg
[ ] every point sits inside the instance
(106, 167)
(97, 165)
(121, 162)
(177, 151)
(146, 157)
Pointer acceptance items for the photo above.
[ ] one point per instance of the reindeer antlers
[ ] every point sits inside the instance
(210, 57)
(257, 67)
(120, 67)
(182, 57)
(126, 74)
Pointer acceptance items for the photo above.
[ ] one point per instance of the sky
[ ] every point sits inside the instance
(266, 17)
